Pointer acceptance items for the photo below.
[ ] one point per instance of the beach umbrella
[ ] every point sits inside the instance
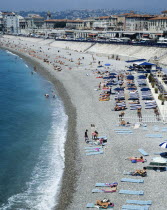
(112, 77)
(145, 89)
(118, 89)
(159, 160)
(163, 145)
(106, 77)
(130, 77)
(112, 73)
(130, 70)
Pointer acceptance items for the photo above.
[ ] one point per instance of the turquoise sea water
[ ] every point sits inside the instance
(32, 135)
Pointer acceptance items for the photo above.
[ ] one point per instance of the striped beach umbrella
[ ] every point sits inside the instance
(163, 145)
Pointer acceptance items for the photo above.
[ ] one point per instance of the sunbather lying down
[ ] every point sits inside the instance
(105, 203)
(110, 189)
(140, 159)
(139, 172)
(124, 123)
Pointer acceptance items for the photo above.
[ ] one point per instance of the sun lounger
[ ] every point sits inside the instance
(123, 131)
(143, 152)
(153, 135)
(157, 153)
(93, 150)
(107, 190)
(94, 153)
(145, 129)
(131, 192)
(106, 184)
(164, 130)
(156, 128)
(132, 180)
(92, 205)
(93, 147)
(139, 202)
(134, 207)
(127, 173)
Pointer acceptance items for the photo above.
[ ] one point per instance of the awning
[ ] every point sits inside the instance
(159, 34)
(146, 34)
(138, 60)
(129, 33)
(144, 64)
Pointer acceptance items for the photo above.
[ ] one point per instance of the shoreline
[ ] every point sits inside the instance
(70, 172)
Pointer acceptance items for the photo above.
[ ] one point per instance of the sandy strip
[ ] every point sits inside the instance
(77, 89)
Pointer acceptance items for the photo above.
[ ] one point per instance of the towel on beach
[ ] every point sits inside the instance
(143, 152)
(94, 153)
(134, 207)
(140, 202)
(131, 192)
(132, 180)
(153, 135)
(106, 184)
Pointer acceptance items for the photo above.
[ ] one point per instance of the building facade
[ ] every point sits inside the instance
(10, 22)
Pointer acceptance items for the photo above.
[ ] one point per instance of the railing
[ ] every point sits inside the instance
(144, 119)
(161, 45)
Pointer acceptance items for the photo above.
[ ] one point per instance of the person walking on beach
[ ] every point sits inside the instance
(139, 114)
(86, 136)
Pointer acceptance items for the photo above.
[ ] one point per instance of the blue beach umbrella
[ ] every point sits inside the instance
(163, 145)
(106, 77)
(118, 89)
(112, 73)
(112, 77)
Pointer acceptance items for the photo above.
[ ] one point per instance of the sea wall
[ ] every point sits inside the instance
(124, 52)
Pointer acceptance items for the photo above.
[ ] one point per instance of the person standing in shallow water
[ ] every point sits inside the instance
(86, 136)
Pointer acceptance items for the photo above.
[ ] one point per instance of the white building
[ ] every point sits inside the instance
(11, 22)
(158, 24)
(105, 23)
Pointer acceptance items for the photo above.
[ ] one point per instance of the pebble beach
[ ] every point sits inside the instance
(74, 72)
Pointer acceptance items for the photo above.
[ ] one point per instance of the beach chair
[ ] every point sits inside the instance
(134, 207)
(94, 153)
(153, 135)
(139, 202)
(131, 192)
(143, 152)
(132, 180)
